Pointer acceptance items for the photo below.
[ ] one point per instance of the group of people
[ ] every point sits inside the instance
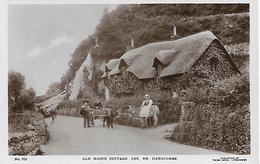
(88, 113)
(149, 112)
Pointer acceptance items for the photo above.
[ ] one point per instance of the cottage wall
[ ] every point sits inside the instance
(124, 85)
(212, 66)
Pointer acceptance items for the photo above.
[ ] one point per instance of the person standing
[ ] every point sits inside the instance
(92, 116)
(98, 104)
(145, 110)
(85, 112)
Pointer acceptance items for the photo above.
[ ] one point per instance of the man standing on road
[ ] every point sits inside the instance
(85, 111)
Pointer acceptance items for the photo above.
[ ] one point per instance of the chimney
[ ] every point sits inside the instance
(174, 33)
(132, 43)
(174, 30)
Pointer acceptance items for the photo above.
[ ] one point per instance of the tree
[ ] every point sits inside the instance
(19, 98)
(53, 89)
(16, 83)
(27, 99)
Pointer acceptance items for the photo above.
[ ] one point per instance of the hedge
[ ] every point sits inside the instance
(219, 120)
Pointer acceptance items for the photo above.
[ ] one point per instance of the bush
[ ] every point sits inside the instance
(217, 128)
(20, 98)
(221, 119)
(69, 104)
(224, 27)
(123, 102)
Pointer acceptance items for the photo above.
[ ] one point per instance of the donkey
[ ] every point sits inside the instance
(109, 117)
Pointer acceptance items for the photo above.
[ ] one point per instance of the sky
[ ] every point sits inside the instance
(41, 39)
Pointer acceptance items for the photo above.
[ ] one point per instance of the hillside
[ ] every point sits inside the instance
(152, 23)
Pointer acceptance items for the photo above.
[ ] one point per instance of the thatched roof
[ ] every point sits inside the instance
(111, 64)
(53, 102)
(177, 56)
(112, 67)
(187, 51)
(140, 60)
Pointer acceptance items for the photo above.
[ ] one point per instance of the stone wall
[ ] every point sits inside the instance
(31, 134)
(27, 143)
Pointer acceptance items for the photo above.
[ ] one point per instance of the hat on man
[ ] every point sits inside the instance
(147, 96)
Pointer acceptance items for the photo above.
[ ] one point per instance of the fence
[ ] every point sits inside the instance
(69, 111)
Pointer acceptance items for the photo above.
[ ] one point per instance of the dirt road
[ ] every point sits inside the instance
(68, 137)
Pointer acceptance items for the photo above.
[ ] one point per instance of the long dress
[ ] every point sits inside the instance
(145, 109)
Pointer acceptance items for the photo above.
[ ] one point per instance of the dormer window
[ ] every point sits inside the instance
(159, 67)
(123, 67)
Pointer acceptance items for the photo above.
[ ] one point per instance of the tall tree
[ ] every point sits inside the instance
(19, 98)
(53, 89)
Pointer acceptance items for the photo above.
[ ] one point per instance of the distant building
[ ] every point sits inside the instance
(82, 78)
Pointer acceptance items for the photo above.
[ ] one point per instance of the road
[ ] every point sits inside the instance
(68, 137)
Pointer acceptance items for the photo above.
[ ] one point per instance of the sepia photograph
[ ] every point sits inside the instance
(129, 79)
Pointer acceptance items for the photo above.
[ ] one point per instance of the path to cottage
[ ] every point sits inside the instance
(68, 137)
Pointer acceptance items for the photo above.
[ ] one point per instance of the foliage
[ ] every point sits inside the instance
(224, 27)
(16, 83)
(216, 127)
(27, 99)
(125, 85)
(41, 98)
(53, 89)
(20, 98)
(123, 102)
(70, 104)
(151, 23)
(221, 119)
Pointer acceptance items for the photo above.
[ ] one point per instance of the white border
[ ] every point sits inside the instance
(254, 72)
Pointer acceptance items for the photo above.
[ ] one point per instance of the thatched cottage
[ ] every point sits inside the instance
(196, 60)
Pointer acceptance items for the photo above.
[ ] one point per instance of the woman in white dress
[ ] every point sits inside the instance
(145, 110)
